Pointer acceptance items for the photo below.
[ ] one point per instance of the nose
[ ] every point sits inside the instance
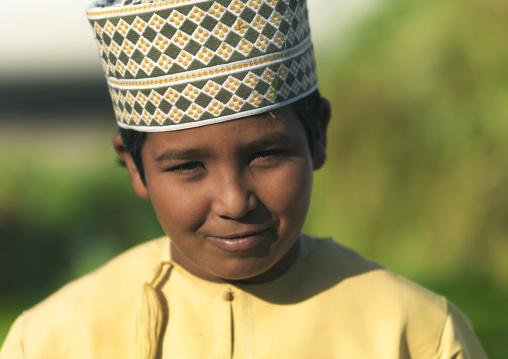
(232, 198)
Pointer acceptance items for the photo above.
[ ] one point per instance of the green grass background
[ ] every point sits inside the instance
(417, 174)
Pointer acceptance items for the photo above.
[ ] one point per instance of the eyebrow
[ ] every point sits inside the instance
(268, 141)
(261, 144)
(169, 155)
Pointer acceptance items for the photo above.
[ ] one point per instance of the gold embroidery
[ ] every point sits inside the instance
(132, 67)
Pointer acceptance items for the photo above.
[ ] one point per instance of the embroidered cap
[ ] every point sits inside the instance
(179, 64)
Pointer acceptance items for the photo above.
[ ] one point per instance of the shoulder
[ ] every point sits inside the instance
(125, 272)
(332, 261)
(79, 309)
(363, 292)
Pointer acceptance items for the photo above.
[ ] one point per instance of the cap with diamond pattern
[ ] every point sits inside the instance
(179, 64)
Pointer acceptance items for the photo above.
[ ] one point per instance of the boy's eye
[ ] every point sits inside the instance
(266, 154)
(186, 167)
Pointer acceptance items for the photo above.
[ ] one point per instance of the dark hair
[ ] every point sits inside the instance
(306, 108)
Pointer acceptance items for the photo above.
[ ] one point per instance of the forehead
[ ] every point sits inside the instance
(282, 122)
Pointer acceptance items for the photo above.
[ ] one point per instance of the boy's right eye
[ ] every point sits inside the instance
(188, 167)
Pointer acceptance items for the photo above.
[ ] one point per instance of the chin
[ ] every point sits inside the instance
(257, 270)
(244, 273)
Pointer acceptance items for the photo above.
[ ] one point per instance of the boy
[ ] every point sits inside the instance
(221, 127)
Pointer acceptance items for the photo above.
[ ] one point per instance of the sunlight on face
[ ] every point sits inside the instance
(232, 197)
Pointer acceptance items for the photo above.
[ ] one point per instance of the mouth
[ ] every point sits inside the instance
(239, 241)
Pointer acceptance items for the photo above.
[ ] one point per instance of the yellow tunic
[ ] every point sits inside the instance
(332, 303)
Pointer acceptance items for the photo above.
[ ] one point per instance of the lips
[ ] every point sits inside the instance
(239, 241)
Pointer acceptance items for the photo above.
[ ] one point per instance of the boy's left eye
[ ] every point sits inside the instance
(186, 167)
(264, 154)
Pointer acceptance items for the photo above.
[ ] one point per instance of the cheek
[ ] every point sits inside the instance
(178, 209)
(290, 195)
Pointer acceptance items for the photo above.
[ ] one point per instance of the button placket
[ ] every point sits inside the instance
(223, 326)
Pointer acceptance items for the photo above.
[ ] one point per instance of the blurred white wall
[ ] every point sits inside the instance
(51, 39)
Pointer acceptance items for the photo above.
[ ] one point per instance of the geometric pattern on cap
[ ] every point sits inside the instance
(158, 57)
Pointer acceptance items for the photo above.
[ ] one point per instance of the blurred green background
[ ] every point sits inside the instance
(417, 175)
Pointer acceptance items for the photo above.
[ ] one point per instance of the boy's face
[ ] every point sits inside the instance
(233, 196)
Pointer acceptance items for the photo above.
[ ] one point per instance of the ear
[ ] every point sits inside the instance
(325, 113)
(137, 184)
